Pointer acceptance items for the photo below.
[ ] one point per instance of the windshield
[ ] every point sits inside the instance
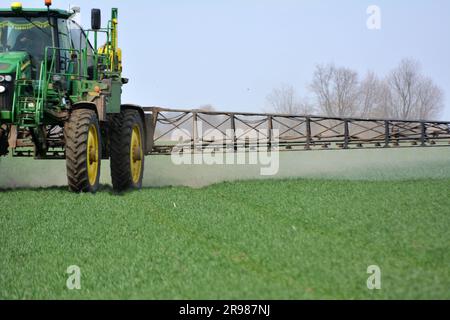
(31, 35)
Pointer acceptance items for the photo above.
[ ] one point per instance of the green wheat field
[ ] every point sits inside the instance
(312, 236)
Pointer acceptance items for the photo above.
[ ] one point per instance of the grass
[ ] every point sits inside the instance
(291, 239)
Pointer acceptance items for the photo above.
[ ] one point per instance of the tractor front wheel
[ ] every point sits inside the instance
(127, 150)
(83, 151)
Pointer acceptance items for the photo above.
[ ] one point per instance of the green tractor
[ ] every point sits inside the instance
(60, 96)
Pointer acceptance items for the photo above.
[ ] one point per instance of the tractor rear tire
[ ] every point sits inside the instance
(83, 151)
(127, 142)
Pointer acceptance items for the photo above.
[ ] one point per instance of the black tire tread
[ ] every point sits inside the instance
(120, 138)
(76, 134)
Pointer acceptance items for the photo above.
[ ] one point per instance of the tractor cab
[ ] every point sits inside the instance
(31, 36)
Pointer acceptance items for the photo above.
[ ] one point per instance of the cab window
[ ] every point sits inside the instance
(64, 43)
(80, 43)
(32, 35)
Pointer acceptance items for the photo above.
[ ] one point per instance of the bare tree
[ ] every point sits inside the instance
(430, 100)
(321, 87)
(403, 94)
(336, 90)
(284, 100)
(404, 85)
(305, 107)
(370, 95)
(383, 107)
(346, 91)
(413, 96)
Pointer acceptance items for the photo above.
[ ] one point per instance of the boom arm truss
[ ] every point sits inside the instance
(194, 131)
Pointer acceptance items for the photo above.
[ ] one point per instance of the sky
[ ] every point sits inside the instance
(232, 53)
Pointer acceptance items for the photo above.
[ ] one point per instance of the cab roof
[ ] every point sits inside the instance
(36, 12)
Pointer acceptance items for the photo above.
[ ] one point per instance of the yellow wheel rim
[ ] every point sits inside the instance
(92, 155)
(136, 154)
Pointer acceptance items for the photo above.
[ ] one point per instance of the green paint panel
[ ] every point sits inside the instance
(5, 115)
(115, 100)
(10, 60)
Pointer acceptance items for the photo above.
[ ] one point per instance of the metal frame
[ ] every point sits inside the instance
(255, 131)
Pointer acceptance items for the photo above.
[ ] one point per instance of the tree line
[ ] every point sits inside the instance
(404, 93)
